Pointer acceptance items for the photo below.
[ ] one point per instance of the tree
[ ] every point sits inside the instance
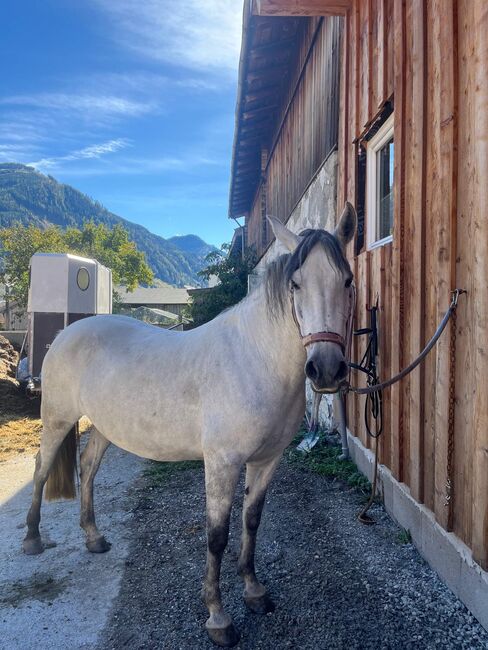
(109, 246)
(232, 272)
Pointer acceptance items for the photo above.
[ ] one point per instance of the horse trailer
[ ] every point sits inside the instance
(63, 288)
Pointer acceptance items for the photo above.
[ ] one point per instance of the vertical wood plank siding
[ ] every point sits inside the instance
(308, 129)
(430, 57)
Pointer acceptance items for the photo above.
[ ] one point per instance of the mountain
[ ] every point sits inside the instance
(193, 245)
(29, 197)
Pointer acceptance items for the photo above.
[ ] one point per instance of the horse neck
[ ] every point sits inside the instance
(275, 338)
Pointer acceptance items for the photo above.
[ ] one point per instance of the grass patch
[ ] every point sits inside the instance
(159, 472)
(404, 536)
(324, 460)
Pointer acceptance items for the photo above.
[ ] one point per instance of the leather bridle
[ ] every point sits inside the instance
(326, 336)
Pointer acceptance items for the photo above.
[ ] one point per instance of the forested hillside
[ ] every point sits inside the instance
(29, 197)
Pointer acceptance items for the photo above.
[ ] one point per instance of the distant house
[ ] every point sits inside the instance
(169, 299)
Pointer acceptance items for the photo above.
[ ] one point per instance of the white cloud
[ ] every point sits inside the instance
(90, 152)
(91, 105)
(203, 36)
(184, 164)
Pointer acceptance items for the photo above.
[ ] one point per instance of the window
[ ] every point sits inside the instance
(83, 278)
(379, 186)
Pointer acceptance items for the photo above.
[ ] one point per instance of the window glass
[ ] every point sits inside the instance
(384, 198)
(83, 278)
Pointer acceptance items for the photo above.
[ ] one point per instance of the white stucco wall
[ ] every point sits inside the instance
(316, 209)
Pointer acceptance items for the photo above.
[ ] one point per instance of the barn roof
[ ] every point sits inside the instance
(266, 64)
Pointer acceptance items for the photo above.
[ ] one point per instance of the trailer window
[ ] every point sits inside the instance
(83, 278)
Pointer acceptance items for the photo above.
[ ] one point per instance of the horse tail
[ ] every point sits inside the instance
(61, 481)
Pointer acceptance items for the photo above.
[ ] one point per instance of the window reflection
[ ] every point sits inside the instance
(385, 163)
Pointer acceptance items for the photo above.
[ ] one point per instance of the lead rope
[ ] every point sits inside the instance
(406, 371)
(375, 388)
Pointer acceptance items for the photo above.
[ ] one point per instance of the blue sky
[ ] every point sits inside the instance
(129, 101)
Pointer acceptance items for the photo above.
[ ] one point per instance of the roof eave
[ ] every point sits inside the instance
(243, 62)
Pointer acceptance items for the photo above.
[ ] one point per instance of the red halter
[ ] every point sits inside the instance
(325, 336)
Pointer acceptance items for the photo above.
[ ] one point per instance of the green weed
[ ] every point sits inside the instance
(324, 460)
(158, 473)
(404, 536)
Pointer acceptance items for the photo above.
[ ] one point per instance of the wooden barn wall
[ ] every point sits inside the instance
(307, 131)
(430, 57)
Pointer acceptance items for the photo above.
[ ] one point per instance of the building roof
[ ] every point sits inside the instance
(237, 242)
(154, 296)
(265, 67)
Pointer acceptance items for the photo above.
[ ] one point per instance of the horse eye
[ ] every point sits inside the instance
(294, 285)
(348, 283)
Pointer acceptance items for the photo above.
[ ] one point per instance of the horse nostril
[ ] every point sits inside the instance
(341, 371)
(312, 370)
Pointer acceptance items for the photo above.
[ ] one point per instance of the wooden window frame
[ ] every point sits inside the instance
(380, 138)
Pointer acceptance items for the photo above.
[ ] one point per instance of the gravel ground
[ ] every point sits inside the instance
(336, 583)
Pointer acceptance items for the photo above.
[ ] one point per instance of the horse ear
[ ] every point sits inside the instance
(346, 227)
(282, 234)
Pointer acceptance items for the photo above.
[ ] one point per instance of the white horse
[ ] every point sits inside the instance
(231, 392)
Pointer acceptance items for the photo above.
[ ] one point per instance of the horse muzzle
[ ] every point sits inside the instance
(326, 367)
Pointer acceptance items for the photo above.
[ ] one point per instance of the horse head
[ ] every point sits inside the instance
(319, 281)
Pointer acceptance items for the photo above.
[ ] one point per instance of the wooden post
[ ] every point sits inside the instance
(480, 245)
(413, 269)
(443, 218)
(397, 320)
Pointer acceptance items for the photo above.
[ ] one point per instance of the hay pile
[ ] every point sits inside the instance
(20, 426)
(8, 359)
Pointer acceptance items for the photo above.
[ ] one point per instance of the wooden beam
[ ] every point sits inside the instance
(480, 299)
(414, 215)
(300, 7)
(398, 360)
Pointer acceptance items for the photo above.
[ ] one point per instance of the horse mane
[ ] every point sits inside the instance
(279, 272)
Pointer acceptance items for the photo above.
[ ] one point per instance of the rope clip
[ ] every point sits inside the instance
(455, 296)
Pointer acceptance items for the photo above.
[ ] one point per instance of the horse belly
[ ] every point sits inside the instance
(163, 430)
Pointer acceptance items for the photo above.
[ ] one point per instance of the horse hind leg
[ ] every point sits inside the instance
(89, 464)
(258, 477)
(56, 460)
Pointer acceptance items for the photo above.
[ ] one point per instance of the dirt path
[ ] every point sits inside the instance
(337, 584)
(61, 599)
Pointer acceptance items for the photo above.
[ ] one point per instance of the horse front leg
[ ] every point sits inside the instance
(258, 477)
(220, 482)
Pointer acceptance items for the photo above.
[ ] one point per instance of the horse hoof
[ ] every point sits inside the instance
(99, 545)
(225, 637)
(32, 546)
(261, 605)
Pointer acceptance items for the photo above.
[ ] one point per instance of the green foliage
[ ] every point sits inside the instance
(404, 537)
(109, 246)
(160, 472)
(232, 272)
(324, 460)
(30, 198)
